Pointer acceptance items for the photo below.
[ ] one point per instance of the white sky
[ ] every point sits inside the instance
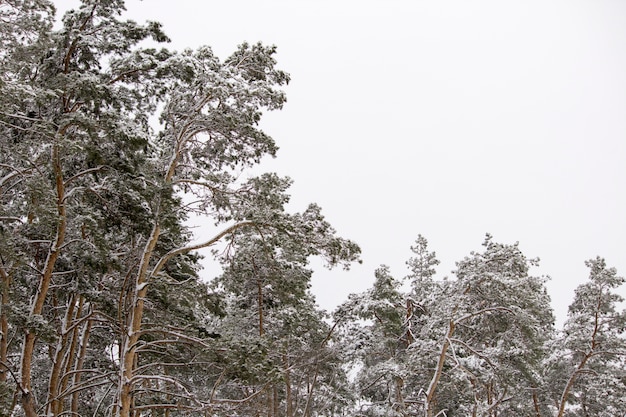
(445, 118)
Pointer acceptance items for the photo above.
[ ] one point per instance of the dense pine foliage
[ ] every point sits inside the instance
(109, 146)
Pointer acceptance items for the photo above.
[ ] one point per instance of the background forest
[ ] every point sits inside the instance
(108, 147)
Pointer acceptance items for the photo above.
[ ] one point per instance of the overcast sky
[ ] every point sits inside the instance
(445, 118)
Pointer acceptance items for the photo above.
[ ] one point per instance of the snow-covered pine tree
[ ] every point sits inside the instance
(587, 364)
(499, 326)
(282, 347)
(379, 315)
(388, 329)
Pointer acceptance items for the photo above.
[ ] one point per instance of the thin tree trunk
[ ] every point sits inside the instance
(287, 378)
(536, 403)
(260, 305)
(432, 387)
(399, 398)
(58, 363)
(72, 350)
(28, 346)
(80, 360)
(409, 316)
(311, 388)
(4, 334)
(269, 402)
(570, 384)
(4, 324)
(129, 353)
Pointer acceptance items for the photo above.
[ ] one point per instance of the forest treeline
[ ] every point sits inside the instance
(109, 144)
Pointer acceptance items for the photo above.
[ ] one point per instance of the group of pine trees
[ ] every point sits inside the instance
(485, 343)
(108, 145)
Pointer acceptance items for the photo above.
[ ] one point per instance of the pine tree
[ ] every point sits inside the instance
(589, 356)
(272, 330)
(381, 353)
(393, 338)
(501, 325)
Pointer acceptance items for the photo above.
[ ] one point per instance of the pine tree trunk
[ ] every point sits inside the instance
(128, 359)
(80, 360)
(409, 330)
(287, 379)
(399, 398)
(260, 305)
(536, 403)
(430, 394)
(311, 388)
(55, 404)
(28, 346)
(4, 324)
(72, 350)
(570, 385)
(269, 403)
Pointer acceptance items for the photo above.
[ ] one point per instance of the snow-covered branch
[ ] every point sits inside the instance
(229, 230)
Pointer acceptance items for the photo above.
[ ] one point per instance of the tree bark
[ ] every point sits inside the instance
(131, 338)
